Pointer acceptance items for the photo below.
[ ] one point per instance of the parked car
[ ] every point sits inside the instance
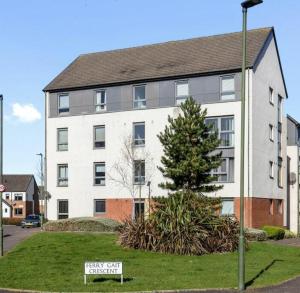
(31, 221)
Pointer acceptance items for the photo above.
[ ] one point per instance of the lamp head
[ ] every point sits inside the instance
(250, 3)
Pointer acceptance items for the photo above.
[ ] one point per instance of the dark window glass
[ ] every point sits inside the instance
(100, 206)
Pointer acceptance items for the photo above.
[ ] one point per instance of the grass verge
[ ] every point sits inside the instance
(51, 261)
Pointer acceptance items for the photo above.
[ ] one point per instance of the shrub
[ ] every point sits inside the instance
(274, 232)
(252, 234)
(12, 221)
(289, 234)
(82, 224)
(183, 223)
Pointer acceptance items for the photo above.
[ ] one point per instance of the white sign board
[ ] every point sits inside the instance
(103, 268)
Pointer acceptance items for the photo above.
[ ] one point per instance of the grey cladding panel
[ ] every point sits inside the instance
(166, 93)
(152, 94)
(204, 90)
(114, 100)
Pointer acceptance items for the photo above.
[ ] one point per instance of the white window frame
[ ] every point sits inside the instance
(139, 104)
(17, 197)
(18, 214)
(218, 172)
(139, 142)
(62, 144)
(227, 93)
(228, 200)
(181, 98)
(219, 122)
(63, 110)
(94, 140)
(95, 211)
(102, 178)
(64, 214)
(100, 107)
(136, 179)
(62, 181)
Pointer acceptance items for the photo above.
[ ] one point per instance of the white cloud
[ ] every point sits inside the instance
(26, 113)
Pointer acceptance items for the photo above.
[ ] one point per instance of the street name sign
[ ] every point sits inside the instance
(103, 268)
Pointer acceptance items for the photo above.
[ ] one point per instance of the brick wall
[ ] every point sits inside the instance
(260, 211)
(118, 209)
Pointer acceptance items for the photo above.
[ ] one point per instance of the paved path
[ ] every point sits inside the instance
(15, 234)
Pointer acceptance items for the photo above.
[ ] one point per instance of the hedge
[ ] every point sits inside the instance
(12, 221)
(274, 232)
(82, 224)
(255, 234)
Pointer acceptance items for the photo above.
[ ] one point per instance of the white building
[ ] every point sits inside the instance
(103, 99)
(293, 170)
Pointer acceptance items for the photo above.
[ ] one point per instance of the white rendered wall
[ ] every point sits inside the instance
(6, 210)
(293, 154)
(267, 74)
(81, 155)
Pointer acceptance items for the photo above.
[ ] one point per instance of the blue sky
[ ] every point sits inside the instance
(39, 38)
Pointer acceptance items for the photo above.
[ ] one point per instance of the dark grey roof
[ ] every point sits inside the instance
(293, 120)
(16, 183)
(177, 58)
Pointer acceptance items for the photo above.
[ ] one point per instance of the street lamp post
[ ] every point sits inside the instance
(42, 187)
(245, 5)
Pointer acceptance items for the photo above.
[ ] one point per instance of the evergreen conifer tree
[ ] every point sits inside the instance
(189, 146)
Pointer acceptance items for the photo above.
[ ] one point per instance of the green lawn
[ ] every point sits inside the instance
(54, 262)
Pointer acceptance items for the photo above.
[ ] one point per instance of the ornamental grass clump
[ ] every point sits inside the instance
(184, 223)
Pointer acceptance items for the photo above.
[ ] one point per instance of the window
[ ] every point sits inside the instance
(226, 133)
(62, 139)
(18, 211)
(139, 133)
(271, 169)
(62, 178)
(18, 196)
(139, 208)
(100, 103)
(63, 103)
(139, 172)
(5, 210)
(227, 88)
(182, 91)
(224, 173)
(99, 137)
(280, 172)
(279, 108)
(271, 96)
(225, 128)
(99, 173)
(278, 203)
(227, 207)
(100, 206)
(139, 101)
(63, 209)
(7, 197)
(271, 132)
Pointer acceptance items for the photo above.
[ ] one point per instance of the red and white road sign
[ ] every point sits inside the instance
(2, 188)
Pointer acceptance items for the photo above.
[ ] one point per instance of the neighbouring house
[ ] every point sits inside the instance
(293, 169)
(21, 196)
(100, 98)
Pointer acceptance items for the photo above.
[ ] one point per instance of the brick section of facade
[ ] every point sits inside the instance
(260, 211)
(118, 209)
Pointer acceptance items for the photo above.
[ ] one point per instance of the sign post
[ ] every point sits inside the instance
(102, 268)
